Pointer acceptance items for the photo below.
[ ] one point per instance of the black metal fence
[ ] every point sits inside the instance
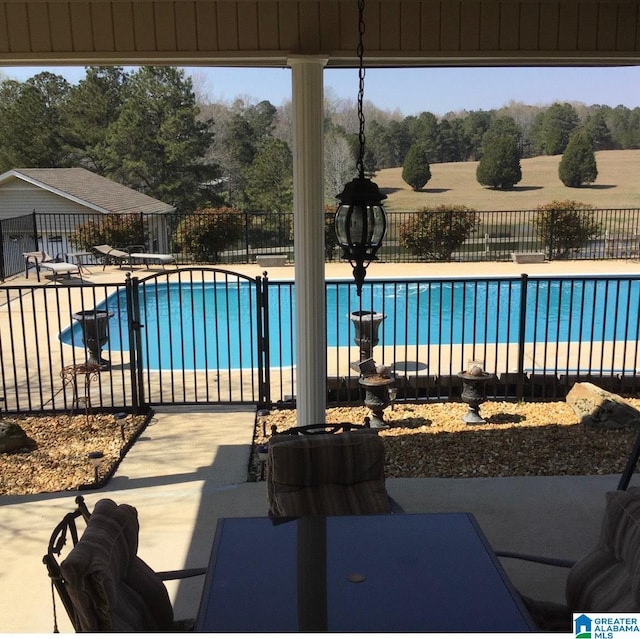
(185, 337)
(205, 335)
(495, 237)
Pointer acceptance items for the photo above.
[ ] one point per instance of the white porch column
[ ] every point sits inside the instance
(308, 238)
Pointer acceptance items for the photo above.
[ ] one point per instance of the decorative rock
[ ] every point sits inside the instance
(600, 408)
(384, 371)
(13, 438)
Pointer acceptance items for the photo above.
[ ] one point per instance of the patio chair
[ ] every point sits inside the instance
(327, 474)
(102, 583)
(42, 260)
(605, 580)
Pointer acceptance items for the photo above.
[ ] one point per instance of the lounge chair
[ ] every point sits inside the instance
(111, 255)
(102, 583)
(130, 253)
(152, 258)
(42, 260)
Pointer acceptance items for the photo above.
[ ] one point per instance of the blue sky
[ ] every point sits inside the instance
(412, 91)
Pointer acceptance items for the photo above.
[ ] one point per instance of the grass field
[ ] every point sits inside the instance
(617, 186)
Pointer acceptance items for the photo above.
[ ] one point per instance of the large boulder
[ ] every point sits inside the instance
(599, 408)
(12, 437)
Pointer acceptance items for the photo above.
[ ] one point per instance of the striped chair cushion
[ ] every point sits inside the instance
(111, 588)
(608, 578)
(337, 474)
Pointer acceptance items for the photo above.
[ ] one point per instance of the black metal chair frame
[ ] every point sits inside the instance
(323, 429)
(68, 528)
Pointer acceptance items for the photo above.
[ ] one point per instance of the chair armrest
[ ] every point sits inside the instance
(135, 248)
(168, 575)
(549, 561)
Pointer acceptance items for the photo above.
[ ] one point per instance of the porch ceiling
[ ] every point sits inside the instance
(268, 32)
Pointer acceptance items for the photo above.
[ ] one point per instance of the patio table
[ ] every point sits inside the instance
(368, 573)
(79, 257)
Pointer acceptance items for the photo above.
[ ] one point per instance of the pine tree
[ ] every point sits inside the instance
(416, 171)
(499, 167)
(578, 163)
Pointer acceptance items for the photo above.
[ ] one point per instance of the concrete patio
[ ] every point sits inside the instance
(189, 468)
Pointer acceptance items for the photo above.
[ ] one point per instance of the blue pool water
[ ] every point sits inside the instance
(429, 312)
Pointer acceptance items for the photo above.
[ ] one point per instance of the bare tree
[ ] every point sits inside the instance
(339, 165)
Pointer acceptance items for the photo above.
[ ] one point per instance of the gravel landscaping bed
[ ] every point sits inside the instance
(58, 458)
(526, 438)
(424, 440)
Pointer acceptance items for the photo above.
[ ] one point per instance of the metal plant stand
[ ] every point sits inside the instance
(70, 375)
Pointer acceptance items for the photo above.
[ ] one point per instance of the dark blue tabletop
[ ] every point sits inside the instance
(369, 573)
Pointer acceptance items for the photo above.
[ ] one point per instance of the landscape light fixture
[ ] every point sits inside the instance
(95, 458)
(360, 220)
(121, 421)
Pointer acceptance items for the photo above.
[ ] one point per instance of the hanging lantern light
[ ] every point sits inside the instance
(360, 220)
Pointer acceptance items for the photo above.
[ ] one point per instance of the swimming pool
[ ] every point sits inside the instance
(207, 325)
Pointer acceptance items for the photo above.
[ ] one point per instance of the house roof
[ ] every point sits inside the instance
(89, 189)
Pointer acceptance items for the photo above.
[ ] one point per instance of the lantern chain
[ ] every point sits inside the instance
(361, 74)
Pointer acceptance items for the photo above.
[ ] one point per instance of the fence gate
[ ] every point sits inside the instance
(198, 335)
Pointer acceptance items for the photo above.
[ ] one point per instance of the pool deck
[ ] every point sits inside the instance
(376, 270)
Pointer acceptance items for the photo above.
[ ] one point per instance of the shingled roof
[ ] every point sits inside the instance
(90, 190)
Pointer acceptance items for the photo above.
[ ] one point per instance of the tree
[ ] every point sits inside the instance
(270, 178)
(434, 234)
(415, 170)
(339, 165)
(501, 126)
(578, 163)
(157, 145)
(475, 125)
(424, 130)
(558, 123)
(596, 126)
(207, 232)
(31, 113)
(499, 167)
(94, 104)
(565, 226)
(451, 144)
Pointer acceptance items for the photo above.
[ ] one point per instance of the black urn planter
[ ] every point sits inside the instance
(95, 334)
(473, 393)
(366, 324)
(377, 397)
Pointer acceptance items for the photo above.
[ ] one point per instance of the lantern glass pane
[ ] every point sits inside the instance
(358, 225)
(341, 224)
(377, 224)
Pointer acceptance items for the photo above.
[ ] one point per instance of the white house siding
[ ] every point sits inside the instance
(57, 216)
(20, 198)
